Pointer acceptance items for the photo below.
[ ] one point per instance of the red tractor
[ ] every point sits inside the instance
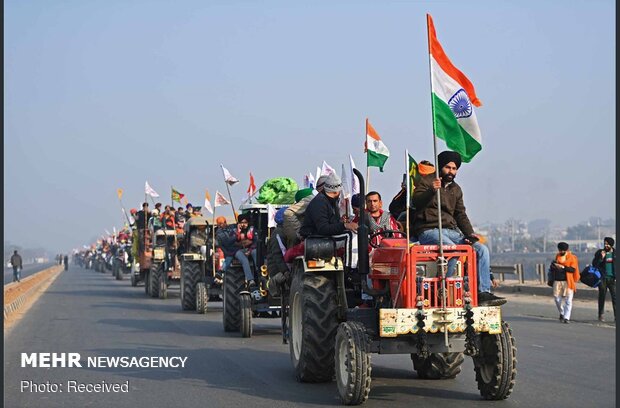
(414, 309)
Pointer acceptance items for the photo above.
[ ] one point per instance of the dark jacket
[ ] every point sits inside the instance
(16, 260)
(453, 213)
(275, 258)
(599, 263)
(226, 238)
(322, 217)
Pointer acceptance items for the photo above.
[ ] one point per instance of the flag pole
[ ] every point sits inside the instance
(408, 181)
(439, 224)
(171, 198)
(213, 241)
(231, 201)
(366, 151)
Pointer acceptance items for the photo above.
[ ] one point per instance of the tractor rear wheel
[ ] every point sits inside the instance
(496, 365)
(134, 281)
(312, 325)
(190, 276)
(438, 366)
(233, 283)
(246, 314)
(352, 363)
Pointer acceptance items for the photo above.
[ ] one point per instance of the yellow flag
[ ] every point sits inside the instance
(119, 192)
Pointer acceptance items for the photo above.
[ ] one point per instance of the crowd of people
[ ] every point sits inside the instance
(317, 211)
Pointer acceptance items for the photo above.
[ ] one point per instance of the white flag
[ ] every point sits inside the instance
(271, 216)
(318, 175)
(327, 169)
(355, 183)
(208, 202)
(220, 199)
(149, 190)
(311, 181)
(228, 178)
(107, 232)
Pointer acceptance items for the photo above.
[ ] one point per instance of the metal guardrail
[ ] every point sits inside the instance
(517, 269)
(501, 270)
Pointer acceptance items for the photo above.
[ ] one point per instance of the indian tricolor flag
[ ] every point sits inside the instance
(376, 151)
(454, 119)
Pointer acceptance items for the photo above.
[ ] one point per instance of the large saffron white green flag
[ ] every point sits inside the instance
(454, 119)
(376, 151)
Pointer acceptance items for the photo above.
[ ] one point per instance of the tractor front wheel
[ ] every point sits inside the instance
(496, 365)
(352, 363)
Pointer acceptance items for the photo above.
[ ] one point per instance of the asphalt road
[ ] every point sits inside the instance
(559, 365)
(28, 270)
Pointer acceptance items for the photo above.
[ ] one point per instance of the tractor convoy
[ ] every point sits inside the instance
(338, 303)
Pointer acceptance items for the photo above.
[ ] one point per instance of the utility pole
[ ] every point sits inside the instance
(512, 240)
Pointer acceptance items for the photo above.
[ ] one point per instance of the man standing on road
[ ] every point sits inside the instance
(66, 261)
(565, 269)
(604, 260)
(456, 227)
(16, 262)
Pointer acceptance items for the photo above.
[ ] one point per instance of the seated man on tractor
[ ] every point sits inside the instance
(456, 227)
(198, 237)
(276, 248)
(322, 216)
(232, 240)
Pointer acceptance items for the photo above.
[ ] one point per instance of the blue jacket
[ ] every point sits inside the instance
(226, 238)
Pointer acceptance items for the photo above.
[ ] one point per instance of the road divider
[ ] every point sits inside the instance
(18, 294)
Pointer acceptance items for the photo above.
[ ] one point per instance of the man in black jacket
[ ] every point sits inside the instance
(16, 263)
(605, 260)
(322, 215)
(456, 227)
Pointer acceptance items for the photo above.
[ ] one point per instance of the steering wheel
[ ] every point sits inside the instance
(383, 233)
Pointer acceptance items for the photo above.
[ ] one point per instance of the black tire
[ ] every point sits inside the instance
(163, 288)
(245, 303)
(119, 272)
(496, 366)
(147, 283)
(134, 281)
(201, 298)
(312, 325)
(156, 270)
(438, 366)
(233, 283)
(190, 276)
(353, 370)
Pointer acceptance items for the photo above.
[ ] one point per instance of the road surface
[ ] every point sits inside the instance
(559, 365)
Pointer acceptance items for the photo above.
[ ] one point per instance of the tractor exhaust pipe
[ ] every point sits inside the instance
(362, 230)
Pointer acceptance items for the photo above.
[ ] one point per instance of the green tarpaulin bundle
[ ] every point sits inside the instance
(279, 190)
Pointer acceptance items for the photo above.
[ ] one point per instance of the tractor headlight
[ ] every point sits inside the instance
(158, 253)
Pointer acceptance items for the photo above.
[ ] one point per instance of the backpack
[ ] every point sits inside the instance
(591, 276)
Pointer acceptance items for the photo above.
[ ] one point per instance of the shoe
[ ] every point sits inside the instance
(561, 317)
(600, 318)
(489, 299)
(566, 321)
(251, 285)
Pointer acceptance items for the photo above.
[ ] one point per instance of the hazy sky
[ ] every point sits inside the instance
(101, 95)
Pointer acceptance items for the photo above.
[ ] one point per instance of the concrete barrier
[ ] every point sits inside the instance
(45, 276)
